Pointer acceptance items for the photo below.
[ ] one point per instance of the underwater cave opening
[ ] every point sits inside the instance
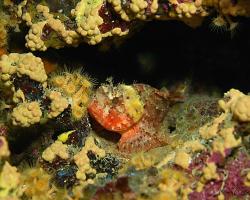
(164, 53)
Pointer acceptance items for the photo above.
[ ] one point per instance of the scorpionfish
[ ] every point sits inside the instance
(135, 111)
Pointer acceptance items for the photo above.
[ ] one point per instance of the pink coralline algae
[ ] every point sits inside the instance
(236, 173)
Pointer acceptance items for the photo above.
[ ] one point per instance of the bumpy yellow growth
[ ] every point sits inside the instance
(221, 196)
(33, 38)
(132, 102)
(225, 140)
(75, 87)
(193, 146)
(58, 104)
(218, 146)
(8, 67)
(9, 179)
(237, 103)
(229, 140)
(18, 96)
(22, 64)
(26, 114)
(117, 5)
(88, 19)
(31, 66)
(138, 7)
(247, 180)
(82, 161)
(241, 109)
(227, 7)
(230, 98)
(56, 149)
(182, 159)
(142, 161)
(34, 41)
(37, 184)
(4, 148)
(209, 172)
(210, 130)
(172, 183)
(187, 9)
(3, 32)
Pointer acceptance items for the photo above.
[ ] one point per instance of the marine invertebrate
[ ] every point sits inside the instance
(83, 161)
(70, 164)
(58, 104)
(3, 33)
(202, 159)
(55, 24)
(9, 181)
(56, 149)
(173, 184)
(26, 114)
(4, 148)
(22, 65)
(75, 86)
(182, 159)
(37, 184)
(24, 74)
(35, 99)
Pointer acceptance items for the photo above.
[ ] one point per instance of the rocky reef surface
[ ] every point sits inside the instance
(64, 136)
(60, 23)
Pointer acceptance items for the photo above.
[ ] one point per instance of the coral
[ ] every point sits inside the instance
(142, 160)
(4, 148)
(37, 184)
(237, 103)
(9, 181)
(182, 159)
(26, 114)
(69, 165)
(57, 24)
(83, 161)
(172, 182)
(168, 146)
(76, 87)
(37, 98)
(187, 9)
(193, 146)
(210, 130)
(230, 8)
(32, 67)
(3, 33)
(241, 108)
(209, 172)
(58, 104)
(22, 64)
(56, 149)
(34, 39)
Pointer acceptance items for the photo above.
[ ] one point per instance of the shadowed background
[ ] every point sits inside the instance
(162, 53)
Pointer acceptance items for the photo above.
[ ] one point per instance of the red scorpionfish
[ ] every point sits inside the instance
(135, 111)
